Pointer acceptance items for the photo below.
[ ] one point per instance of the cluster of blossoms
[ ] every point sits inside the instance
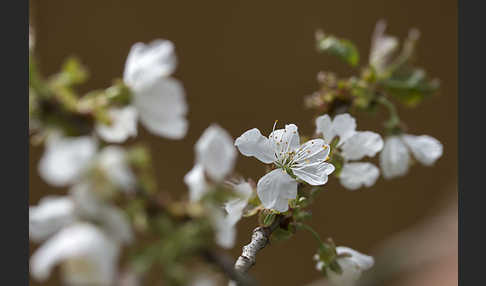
(85, 230)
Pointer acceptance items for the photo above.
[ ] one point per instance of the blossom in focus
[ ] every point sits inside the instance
(66, 158)
(215, 156)
(158, 99)
(352, 264)
(395, 157)
(352, 145)
(294, 161)
(382, 48)
(82, 234)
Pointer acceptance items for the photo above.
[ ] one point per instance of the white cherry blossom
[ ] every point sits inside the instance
(82, 233)
(215, 159)
(352, 145)
(215, 156)
(225, 223)
(113, 162)
(395, 157)
(124, 125)
(282, 148)
(158, 99)
(353, 264)
(66, 158)
(89, 257)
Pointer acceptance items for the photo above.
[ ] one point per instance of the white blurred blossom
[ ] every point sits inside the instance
(81, 233)
(113, 162)
(382, 48)
(215, 156)
(282, 148)
(66, 158)
(225, 222)
(352, 263)
(352, 145)
(395, 157)
(158, 99)
(123, 126)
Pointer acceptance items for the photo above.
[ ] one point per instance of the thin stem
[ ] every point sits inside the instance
(394, 120)
(312, 231)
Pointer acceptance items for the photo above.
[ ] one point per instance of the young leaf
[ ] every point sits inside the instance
(341, 48)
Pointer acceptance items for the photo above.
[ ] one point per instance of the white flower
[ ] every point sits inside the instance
(88, 253)
(124, 125)
(112, 160)
(282, 147)
(89, 257)
(235, 206)
(225, 224)
(52, 214)
(353, 145)
(382, 48)
(158, 99)
(395, 157)
(352, 267)
(215, 156)
(65, 159)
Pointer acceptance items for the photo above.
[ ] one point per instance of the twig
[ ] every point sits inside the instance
(259, 239)
(225, 263)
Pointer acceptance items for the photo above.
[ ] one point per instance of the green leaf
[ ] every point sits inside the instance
(266, 218)
(410, 87)
(342, 48)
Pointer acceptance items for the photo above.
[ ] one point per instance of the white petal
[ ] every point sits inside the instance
(275, 189)
(111, 219)
(394, 159)
(363, 261)
(215, 152)
(253, 143)
(315, 174)
(113, 162)
(116, 224)
(285, 140)
(65, 159)
(382, 47)
(225, 230)
(355, 175)
(324, 127)
(162, 108)
(310, 165)
(147, 63)
(352, 267)
(196, 182)
(235, 207)
(124, 125)
(50, 215)
(362, 143)
(425, 149)
(344, 126)
(80, 245)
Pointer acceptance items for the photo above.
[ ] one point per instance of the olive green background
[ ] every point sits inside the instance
(245, 64)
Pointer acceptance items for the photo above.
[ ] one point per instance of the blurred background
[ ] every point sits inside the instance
(245, 64)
